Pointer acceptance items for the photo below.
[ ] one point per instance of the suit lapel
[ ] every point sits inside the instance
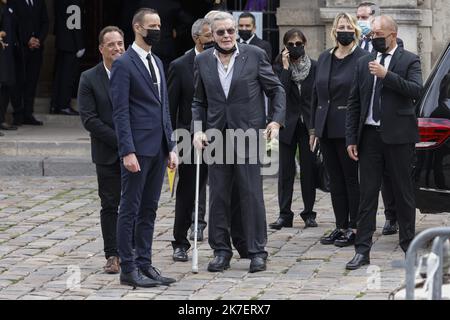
(162, 77)
(395, 58)
(237, 69)
(142, 69)
(215, 74)
(103, 79)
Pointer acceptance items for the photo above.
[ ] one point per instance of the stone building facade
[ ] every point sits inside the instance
(423, 24)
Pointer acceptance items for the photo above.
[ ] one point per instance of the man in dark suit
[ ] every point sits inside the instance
(366, 12)
(33, 29)
(381, 132)
(142, 123)
(247, 33)
(9, 64)
(228, 97)
(180, 84)
(69, 49)
(95, 107)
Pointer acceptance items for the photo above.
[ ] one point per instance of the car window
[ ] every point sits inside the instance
(436, 102)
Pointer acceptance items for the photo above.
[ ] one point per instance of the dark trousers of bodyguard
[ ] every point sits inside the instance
(108, 177)
(374, 157)
(136, 216)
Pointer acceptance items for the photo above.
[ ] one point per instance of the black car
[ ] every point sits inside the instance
(432, 167)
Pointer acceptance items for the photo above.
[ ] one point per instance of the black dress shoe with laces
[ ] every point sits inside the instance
(257, 264)
(137, 279)
(219, 264)
(5, 126)
(332, 237)
(390, 227)
(357, 262)
(180, 254)
(69, 112)
(310, 223)
(154, 274)
(280, 223)
(347, 239)
(32, 121)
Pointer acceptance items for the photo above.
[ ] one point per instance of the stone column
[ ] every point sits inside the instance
(305, 15)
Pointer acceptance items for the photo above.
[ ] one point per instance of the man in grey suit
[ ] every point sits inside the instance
(229, 83)
(95, 108)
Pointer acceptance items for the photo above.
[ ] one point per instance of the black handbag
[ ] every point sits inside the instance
(322, 178)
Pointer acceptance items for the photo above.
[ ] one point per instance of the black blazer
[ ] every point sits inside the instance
(244, 107)
(263, 44)
(33, 21)
(296, 104)
(94, 104)
(8, 24)
(66, 40)
(180, 85)
(321, 103)
(401, 86)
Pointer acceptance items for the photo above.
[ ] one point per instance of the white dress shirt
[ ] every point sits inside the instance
(226, 72)
(387, 61)
(108, 72)
(143, 55)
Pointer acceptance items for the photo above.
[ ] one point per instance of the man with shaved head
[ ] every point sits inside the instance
(381, 132)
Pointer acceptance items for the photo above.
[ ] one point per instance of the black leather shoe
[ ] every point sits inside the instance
(1, 134)
(280, 223)
(137, 279)
(219, 264)
(310, 223)
(332, 237)
(390, 227)
(5, 126)
(153, 273)
(347, 239)
(357, 262)
(32, 121)
(199, 234)
(69, 112)
(257, 264)
(180, 254)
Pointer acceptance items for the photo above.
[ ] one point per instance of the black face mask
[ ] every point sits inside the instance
(296, 52)
(208, 45)
(379, 44)
(223, 51)
(153, 37)
(245, 34)
(345, 37)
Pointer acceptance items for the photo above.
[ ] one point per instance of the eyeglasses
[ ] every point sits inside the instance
(297, 44)
(221, 32)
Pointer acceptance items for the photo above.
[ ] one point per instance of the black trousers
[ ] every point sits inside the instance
(185, 202)
(387, 192)
(67, 65)
(32, 61)
(108, 177)
(344, 186)
(7, 94)
(224, 207)
(374, 157)
(138, 204)
(287, 172)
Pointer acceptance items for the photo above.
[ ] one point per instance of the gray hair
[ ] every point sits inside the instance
(198, 25)
(220, 16)
(374, 9)
(387, 21)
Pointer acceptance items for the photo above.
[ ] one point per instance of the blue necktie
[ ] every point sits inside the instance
(376, 107)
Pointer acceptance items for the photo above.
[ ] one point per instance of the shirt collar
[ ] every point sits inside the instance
(196, 51)
(250, 39)
(141, 52)
(107, 71)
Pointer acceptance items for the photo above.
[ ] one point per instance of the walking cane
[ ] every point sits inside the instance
(197, 187)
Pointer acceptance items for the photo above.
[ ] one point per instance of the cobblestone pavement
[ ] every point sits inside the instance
(50, 236)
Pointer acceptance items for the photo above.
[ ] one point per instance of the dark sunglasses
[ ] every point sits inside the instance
(297, 44)
(221, 32)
